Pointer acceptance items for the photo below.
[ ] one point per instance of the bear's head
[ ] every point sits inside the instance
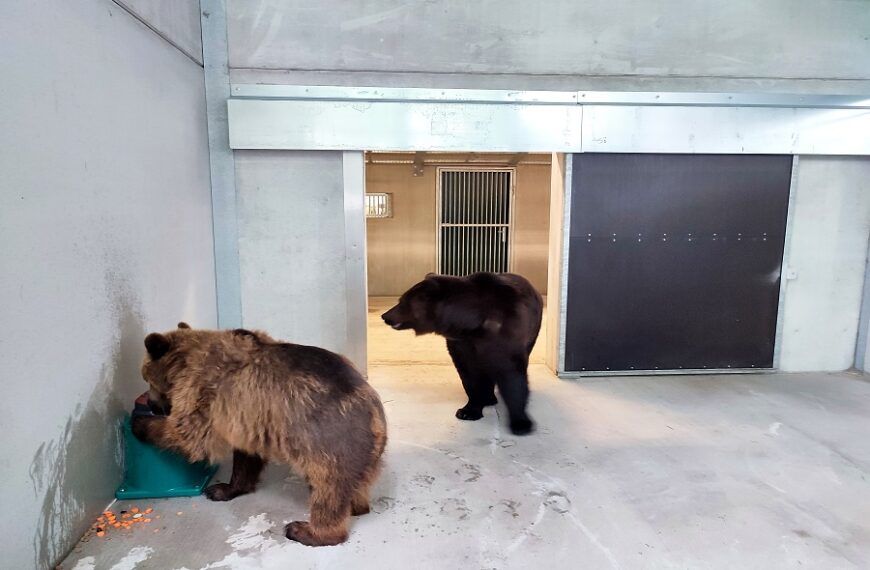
(157, 364)
(416, 307)
(454, 307)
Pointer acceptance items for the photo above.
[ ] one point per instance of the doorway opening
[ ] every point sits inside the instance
(451, 214)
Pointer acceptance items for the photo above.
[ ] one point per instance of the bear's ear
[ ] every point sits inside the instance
(183, 325)
(432, 281)
(157, 345)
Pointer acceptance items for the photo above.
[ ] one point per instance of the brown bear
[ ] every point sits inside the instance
(243, 392)
(491, 322)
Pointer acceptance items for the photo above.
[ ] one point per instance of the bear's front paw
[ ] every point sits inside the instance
(470, 414)
(301, 532)
(139, 427)
(220, 492)
(522, 426)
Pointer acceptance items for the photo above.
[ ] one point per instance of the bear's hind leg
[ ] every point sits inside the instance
(513, 385)
(359, 503)
(330, 514)
(246, 473)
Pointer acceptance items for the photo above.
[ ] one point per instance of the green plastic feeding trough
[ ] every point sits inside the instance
(150, 472)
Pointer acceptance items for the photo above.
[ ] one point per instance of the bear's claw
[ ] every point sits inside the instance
(471, 414)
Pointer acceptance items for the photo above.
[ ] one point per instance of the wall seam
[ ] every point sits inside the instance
(129, 10)
(222, 167)
(547, 74)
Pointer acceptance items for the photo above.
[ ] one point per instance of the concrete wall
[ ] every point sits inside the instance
(105, 226)
(292, 245)
(401, 249)
(742, 45)
(828, 253)
(741, 38)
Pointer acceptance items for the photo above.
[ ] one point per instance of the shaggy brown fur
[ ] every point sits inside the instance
(244, 393)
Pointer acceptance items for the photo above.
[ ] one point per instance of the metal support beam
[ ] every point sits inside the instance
(630, 98)
(785, 267)
(863, 319)
(356, 283)
(562, 294)
(223, 170)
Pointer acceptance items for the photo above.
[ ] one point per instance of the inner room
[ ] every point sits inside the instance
(450, 214)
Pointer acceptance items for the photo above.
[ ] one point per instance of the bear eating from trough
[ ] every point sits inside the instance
(241, 392)
(491, 323)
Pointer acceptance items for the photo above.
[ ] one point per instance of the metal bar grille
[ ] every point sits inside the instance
(474, 228)
(379, 205)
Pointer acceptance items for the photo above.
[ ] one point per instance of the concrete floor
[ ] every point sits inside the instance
(738, 471)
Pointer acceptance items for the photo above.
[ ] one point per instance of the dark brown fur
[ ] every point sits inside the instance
(491, 323)
(242, 393)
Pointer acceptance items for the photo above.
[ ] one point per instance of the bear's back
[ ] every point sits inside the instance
(315, 364)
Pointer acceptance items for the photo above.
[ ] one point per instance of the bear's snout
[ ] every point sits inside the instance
(391, 317)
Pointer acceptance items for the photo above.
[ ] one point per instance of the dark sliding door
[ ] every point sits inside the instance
(675, 261)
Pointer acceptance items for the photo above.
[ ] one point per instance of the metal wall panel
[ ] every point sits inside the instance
(342, 118)
(678, 98)
(674, 261)
(732, 130)
(386, 125)
(356, 288)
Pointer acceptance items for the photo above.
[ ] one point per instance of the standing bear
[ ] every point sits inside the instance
(491, 323)
(242, 392)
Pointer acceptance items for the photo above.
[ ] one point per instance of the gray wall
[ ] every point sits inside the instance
(105, 226)
(515, 44)
(827, 255)
(292, 245)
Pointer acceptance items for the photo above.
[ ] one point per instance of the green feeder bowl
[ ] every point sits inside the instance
(150, 472)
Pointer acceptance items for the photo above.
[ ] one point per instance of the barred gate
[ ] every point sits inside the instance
(474, 220)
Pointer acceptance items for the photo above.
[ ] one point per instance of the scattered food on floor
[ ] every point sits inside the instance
(109, 520)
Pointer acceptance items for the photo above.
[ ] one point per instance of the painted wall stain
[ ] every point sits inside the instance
(77, 472)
